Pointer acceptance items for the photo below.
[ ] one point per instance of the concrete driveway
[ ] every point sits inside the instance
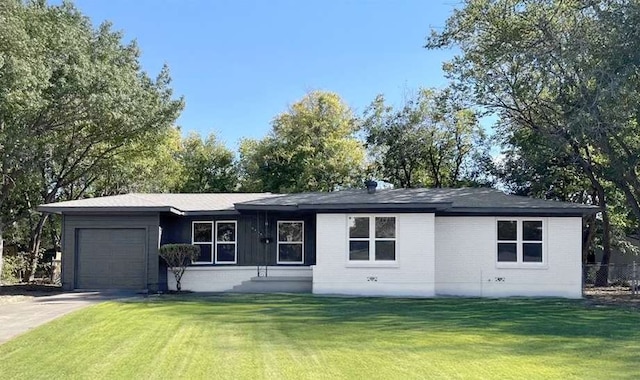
(20, 317)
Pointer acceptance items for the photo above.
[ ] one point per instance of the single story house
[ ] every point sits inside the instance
(400, 242)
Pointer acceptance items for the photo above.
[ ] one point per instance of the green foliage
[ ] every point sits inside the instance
(312, 147)
(432, 141)
(206, 166)
(245, 336)
(562, 77)
(564, 70)
(149, 166)
(534, 165)
(75, 107)
(12, 265)
(178, 257)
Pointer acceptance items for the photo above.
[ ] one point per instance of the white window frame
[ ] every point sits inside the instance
(193, 236)
(289, 242)
(519, 263)
(234, 242)
(372, 241)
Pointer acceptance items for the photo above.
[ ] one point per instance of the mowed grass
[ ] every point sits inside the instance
(307, 337)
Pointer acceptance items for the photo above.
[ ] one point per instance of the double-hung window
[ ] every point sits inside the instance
(219, 247)
(290, 242)
(372, 238)
(226, 243)
(202, 236)
(520, 241)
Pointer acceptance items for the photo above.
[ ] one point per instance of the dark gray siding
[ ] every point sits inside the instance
(73, 224)
(251, 228)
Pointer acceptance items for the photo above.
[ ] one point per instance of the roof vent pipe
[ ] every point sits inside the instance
(371, 186)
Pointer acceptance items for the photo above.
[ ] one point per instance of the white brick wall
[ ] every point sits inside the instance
(466, 260)
(413, 275)
(224, 278)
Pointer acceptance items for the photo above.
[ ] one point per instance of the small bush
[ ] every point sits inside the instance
(178, 257)
(11, 268)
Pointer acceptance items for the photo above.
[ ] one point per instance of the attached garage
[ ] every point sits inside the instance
(111, 251)
(112, 242)
(111, 258)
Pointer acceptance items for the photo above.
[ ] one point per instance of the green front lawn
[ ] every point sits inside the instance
(307, 337)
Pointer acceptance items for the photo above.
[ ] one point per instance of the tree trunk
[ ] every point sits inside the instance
(587, 238)
(602, 275)
(1, 251)
(34, 249)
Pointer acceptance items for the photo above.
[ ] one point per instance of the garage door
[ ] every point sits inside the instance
(111, 258)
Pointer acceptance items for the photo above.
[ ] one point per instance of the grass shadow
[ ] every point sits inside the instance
(525, 317)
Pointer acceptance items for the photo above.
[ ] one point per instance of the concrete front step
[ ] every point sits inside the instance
(275, 284)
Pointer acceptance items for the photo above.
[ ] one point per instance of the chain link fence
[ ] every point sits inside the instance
(624, 278)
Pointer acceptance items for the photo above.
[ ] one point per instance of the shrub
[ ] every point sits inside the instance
(177, 257)
(11, 268)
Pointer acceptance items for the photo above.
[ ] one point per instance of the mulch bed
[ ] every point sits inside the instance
(612, 296)
(34, 290)
(24, 292)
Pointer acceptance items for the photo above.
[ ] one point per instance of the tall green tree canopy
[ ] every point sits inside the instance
(206, 166)
(432, 141)
(311, 147)
(149, 166)
(73, 98)
(567, 72)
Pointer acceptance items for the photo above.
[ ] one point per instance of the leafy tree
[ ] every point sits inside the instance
(564, 70)
(72, 100)
(312, 147)
(149, 166)
(206, 166)
(432, 140)
(532, 165)
(178, 257)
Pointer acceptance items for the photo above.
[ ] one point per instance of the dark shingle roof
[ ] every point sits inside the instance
(442, 201)
(462, 200)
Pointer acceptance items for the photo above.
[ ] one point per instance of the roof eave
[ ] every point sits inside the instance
(520, 211)
(52, 209)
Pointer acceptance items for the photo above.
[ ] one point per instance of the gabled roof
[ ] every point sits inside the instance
(472, 201)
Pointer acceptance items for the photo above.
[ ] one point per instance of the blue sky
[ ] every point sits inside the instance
(238, 64)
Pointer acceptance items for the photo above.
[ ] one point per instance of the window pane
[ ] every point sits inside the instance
(532, 230)
(507, 252)
(225, 252)
(358, 250)
(385, 250)
(386, 227)
(205, 253)
(532, 252)
(226, 231)
(290, 253)
(358, 227)
(507, 230)
(202, 232)
(289, 231)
